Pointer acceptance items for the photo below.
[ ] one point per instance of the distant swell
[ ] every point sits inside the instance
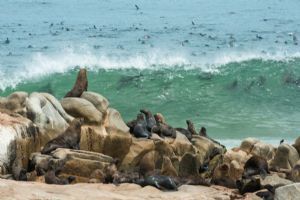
(40, 65)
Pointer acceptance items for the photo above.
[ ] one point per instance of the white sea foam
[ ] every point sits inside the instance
(41, 64)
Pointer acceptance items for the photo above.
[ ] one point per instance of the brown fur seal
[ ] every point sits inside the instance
(162, 128)
(191, 127)
(256, 165)
(69, 139)
(80, 86)
(150, 120)
(133, 123)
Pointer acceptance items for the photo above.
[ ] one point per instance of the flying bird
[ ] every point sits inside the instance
(137, 7)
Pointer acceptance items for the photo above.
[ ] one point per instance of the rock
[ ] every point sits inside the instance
(33, 190)
(274, 180)
(297, 145)
(295, 173)
(19, 138)
(236, 170)
(238, 155)
(100, 102)
(189, 165)
(286, 157)
(15, 102)
(288, 192)
(81, 108)
(45, 116)
(80, 86)
(81, 163)
(93, 138)
(248, 144)
(138, 149)
(147, 163)
(167, 167)
(115, 120)
(261, 149)
(56, 104)
(117, 144)
(181, 145)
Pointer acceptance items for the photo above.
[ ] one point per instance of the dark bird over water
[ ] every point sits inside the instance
(137, 7)
(193, 23)
(281, 141)
(259, 37)
(7, 41)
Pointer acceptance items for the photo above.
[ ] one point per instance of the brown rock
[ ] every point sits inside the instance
(286, 157)
(100, 102)
(115, 121)
(81, 108)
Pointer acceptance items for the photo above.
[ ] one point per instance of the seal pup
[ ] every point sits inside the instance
(256, 165)
(69, 139)
(150, 120)
(159, 181)
(80, 86)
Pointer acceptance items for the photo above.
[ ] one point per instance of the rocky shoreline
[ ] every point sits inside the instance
(83, 142)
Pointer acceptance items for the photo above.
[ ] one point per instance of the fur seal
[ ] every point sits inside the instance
(140, 129)
(162, 128)
(248, 185)
(70, 138)
(133, 123)
(52, 178)
(150, 120)
(80, 86)
(256, 165)
(159, 181)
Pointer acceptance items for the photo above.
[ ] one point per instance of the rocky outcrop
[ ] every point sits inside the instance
(288, 192)
(19, 138)
(286, 157)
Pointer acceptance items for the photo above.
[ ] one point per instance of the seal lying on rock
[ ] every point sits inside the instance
(189, 131)
(158, 181)
(163, 129)
(69, 139)
(133, 123)
(80, 86)
(256, 165)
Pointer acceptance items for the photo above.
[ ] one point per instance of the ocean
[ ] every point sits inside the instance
(230, 66)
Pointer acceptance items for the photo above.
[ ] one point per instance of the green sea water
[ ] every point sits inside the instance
(253, 98)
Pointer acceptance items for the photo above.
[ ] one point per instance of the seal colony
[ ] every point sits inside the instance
(83, 140)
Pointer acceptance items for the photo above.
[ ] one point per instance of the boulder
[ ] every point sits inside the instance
(15, 102)
(56, 104)
(93, 138)
(273, 180)
(181, 144)
(19, 138)
(114, 120)
(189, 165)
(295, 173)
(45, 116)
(82, 108)
(297, 145)
(137, 151)
(238, 155)
(286, 157)
(167, 168)
(100, 102)
(288, 192)
(261, 149)
(117, 144)
(81, 163)
(248, 144)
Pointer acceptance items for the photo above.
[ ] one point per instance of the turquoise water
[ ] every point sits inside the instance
(233, 67)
